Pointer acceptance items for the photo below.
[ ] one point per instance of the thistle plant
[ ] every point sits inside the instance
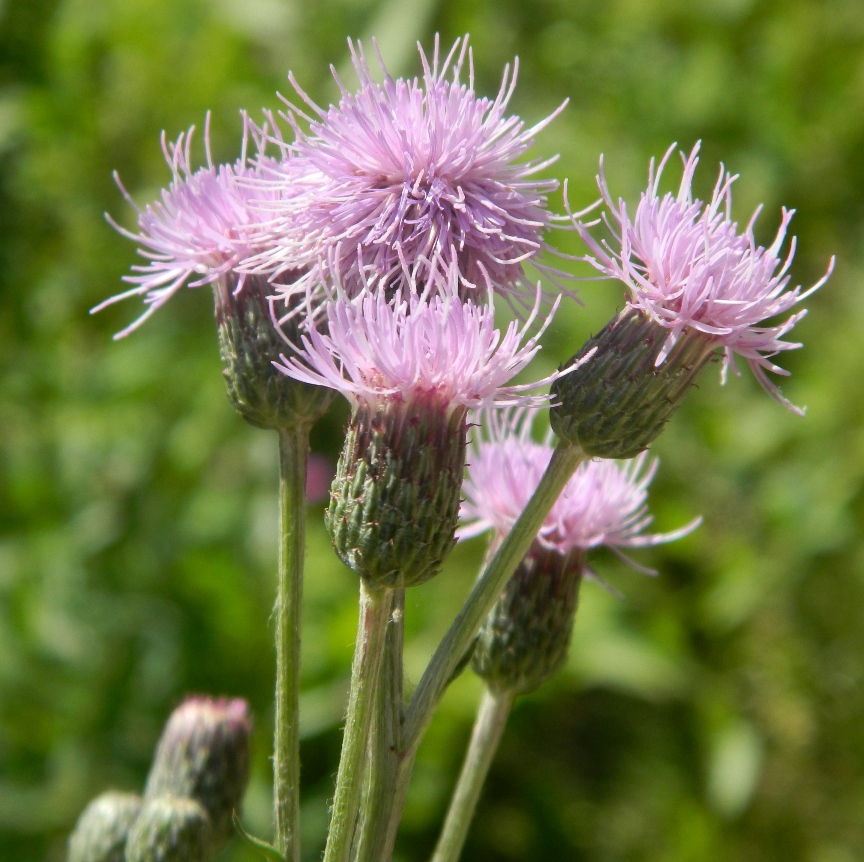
(365, 258)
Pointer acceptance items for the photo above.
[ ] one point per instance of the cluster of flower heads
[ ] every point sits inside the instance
(604, 503)
(386, 227)
(393, 217)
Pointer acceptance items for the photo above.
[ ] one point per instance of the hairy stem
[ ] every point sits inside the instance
(488, 728)
(293, 453)
(368, 653)
(384, 761)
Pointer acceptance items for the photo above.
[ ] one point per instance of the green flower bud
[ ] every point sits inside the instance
(170, 829)
(101, 830)
(525, 639)
(248, 344)
(394, 502)
(204, 755)
(617, 402)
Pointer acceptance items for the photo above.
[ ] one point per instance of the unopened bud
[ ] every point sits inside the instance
(101, 830)
(525, 639)
(248, 344)
(394, 502)
(617, 402)
(170, 829)
(204, 755)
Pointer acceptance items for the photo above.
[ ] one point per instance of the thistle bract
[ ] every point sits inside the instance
(248, 343)
(616, 400)
(101, 831)
(170, 829)
(203, 754)
(394, 501)
(525, 639)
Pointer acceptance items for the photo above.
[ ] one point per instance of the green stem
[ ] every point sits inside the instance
(368, 653)
(491, 719)
(293, 453)
(381, 848)
(453, 648)
(384, 761)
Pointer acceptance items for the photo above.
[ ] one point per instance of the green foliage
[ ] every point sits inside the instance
(715, 713)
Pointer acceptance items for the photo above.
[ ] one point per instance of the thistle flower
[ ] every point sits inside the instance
(696, 285)
(687, 267)
(202, 228)
(199, 233)
(413, 176)
(411, 365)
(603, 504)
(384, 346)
(526, 636)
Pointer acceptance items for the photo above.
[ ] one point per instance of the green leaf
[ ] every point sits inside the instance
(268, 851)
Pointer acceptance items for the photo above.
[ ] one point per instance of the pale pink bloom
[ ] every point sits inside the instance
(205, 224)
(604, 503)
(398, 345)
(414, 175)
(688, 268)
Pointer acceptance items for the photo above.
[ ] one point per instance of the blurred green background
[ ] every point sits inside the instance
(715, 713)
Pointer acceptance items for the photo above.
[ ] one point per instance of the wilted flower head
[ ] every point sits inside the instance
(604, 503)
(204, 226)
(381, 346)
(416, 175)
(689, 269)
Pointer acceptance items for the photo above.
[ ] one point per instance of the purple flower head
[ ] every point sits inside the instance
(400, 345)
(204, 225)
(688, 268)
(414, 176)
(604, 503)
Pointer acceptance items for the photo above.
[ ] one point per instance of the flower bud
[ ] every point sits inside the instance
(248, 344)
(170, 829)
(525, 639)
(617, 402)
(394, 502)
(204, 755)
(101, 830)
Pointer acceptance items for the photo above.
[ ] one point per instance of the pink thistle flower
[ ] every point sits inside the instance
(604, 503)
(378, 349)
(689, 269)
(204, 225)
(414, 176)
